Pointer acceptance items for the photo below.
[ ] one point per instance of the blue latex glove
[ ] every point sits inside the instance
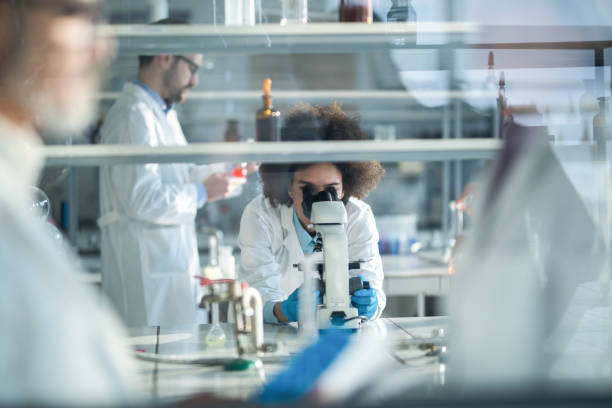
(289, 307)
(299, 377)
(365, 300)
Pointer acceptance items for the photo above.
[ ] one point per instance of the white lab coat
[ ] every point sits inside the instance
(59, 345)
(270, 248)
(149, 245)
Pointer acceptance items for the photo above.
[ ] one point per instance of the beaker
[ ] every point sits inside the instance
(294, 12)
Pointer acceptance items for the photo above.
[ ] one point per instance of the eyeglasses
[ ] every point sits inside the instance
(193, 67)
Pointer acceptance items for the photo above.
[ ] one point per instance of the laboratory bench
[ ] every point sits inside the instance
(410, 275)
(167, 381)
(405, 275)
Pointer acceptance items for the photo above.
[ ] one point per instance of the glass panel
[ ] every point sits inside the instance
(190, 164)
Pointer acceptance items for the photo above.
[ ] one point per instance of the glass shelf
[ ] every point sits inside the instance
(201, 153)
(273, 38)
(350, 37)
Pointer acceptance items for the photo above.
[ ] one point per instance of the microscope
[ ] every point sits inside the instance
(328, 214)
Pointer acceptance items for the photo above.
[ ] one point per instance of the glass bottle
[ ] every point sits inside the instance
(601, 122)
(294, 12)
(267, 119)
(401, 10)
(601, 129)
(239, 12)
(356, 11)
(231, 131)
(216, 335)
(587, 109)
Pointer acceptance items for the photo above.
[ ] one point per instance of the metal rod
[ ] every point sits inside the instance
(446, 176)
(458, 134)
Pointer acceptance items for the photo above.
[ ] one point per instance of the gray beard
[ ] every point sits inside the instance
(56, 126)
(57, 123)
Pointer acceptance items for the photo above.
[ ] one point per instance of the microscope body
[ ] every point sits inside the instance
(329, 218)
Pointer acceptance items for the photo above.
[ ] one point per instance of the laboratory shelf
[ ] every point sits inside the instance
(528, 37)
(349, 37)
(345, 95)
(384, 151)
(396, 103)
(274, 38)
(376, 116)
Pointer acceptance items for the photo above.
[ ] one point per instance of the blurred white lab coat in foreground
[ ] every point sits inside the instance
(58, 345)
(149, 246)
(270, 248)
(521, 290)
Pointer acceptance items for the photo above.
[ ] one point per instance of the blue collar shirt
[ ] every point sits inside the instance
(166, 106)
(307, 241)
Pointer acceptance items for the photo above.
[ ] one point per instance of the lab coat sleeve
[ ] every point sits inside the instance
(363, 245)
(258, 265)
(201, 172)
(140, 191)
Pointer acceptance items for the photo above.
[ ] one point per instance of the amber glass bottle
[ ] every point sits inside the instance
(231, 131)
(267, 119)
(356, 11)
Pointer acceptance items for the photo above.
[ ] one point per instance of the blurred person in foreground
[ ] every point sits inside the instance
(533, 239)
(276, 234)
(58, 345)
(148, 211)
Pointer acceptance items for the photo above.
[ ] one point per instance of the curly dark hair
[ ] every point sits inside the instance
(305, 122)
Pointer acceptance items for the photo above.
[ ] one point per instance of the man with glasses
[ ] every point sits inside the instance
(149, 246)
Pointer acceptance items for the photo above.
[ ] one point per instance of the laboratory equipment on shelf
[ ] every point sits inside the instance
(231, 133)
(601, 122)
(267, 119)
(294, 12)
(401, 10)
(240, 12)
(329, 217)
(356, 11)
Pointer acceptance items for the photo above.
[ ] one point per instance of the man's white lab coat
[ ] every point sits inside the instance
(59, 345)
(270, 248)
(149, 246)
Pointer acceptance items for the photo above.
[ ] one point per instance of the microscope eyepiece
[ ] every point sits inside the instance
(309, 197)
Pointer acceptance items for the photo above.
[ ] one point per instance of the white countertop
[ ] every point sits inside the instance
(170, 381)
